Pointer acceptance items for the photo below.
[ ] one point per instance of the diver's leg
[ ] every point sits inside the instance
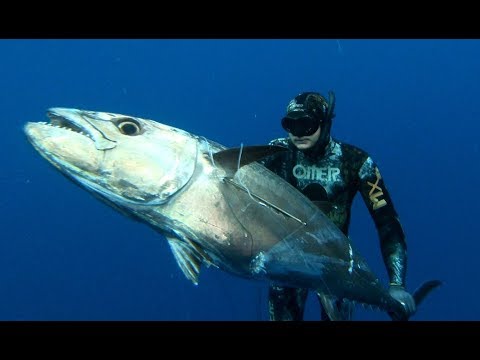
(286, 304)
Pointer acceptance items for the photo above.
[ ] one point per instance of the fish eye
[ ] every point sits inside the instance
(129, 127)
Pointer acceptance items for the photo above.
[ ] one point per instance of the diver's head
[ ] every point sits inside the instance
(308, 120)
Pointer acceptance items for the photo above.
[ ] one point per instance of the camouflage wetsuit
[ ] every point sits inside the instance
(331, 176)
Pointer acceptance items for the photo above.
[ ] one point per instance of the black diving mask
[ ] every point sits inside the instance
(303, 126)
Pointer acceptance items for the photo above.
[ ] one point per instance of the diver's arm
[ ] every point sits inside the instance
(274, 162)
(392, 238)
(394, 250)
(390, 232)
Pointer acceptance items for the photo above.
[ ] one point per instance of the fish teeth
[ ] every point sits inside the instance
(66, 128)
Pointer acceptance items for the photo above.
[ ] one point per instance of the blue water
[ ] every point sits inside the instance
(412, 104)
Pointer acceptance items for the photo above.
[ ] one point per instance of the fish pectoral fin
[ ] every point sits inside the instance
(189, 256)
(228, 159)
(337, 310)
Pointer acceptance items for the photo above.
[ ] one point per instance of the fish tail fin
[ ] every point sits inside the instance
(418, 295)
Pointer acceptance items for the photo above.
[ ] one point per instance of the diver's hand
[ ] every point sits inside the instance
(402, 296)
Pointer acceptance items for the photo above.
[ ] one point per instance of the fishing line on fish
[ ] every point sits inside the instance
(239, 178)
(209, 150)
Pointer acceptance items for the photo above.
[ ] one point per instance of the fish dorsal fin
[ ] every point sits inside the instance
(189, 257)
(331, 307)
(228, 159)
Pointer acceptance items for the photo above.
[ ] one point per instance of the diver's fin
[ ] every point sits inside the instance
(332, 307)
(189, 257)
(228, 159)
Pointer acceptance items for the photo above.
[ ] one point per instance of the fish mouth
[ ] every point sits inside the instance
(76, 121)
(71, 140)
(59, 120)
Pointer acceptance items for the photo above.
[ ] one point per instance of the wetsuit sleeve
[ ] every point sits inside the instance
(380, 206)
(275, 162)
(268, 161)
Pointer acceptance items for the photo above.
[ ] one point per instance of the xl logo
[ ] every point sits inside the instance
(316, 173)
(376, 203)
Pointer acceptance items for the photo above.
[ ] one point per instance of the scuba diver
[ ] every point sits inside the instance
(330, 173)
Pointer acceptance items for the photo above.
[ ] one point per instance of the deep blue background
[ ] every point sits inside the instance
(412, 104)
